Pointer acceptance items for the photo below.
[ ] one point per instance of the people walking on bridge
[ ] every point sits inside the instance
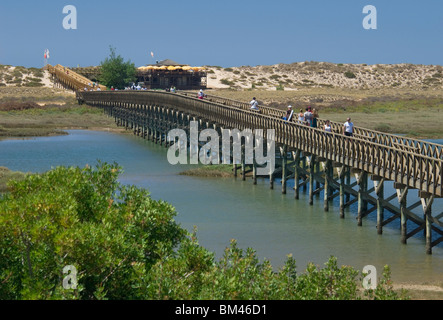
(314, 118)
(301, 117)
(201, 94)
(289, 113)
(327, 127)
(348, 128)
(254, 104)
(308, 116)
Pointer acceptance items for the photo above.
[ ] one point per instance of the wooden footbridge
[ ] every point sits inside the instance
(67, 78)
(315, 160)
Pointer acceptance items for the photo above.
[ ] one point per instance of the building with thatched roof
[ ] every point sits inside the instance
(167, 73)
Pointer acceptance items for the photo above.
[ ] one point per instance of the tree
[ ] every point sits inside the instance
(86, 219)
(115, 72)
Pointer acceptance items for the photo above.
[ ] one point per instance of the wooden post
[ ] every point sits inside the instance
(426, 201)
(243, 164)
(429, 232)
(362, 180)
(283, 153)
(342, 174)
(296, 156)
(311, 179)
(402, 192)
(348, 182)
(254, 171)
(328, 176)
(379, 191)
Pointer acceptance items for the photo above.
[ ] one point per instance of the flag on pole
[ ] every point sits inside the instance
(152, 54)
(46, 54)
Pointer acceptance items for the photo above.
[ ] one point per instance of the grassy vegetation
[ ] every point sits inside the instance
(219, 171)
(6, 175)
(26, 112)
(393, 110)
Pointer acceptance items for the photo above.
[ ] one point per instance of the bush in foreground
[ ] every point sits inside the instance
(125, 245)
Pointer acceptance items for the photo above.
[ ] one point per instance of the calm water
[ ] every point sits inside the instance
(222, 209)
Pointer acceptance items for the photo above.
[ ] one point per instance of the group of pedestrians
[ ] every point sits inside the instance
(309, 117)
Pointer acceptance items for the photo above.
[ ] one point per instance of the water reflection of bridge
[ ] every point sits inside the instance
(319, 162)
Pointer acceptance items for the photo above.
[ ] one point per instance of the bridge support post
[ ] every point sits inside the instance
(254, 171)
(327, 189)
(402, 192)
(271, 179)
(348, 182)
(243, 162)
(311, 179)
(296, 156)
(283, 153)
(341, 174)
(379, 191)
(362, 181)
(426, 201)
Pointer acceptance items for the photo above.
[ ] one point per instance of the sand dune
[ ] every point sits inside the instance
(322, 74)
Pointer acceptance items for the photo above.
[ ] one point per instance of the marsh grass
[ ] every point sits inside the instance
(219, 171)
(6, 175)
(26, 112)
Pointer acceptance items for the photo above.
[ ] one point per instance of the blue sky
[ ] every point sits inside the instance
(224, 33)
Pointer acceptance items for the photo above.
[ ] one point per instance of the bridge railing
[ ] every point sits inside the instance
(71, 78)
(429, 149)
(393, 163)
(235, 103)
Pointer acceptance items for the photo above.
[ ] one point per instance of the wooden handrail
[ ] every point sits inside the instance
(71, 79)
(419, 146)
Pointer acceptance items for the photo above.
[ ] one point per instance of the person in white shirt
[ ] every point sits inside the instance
(327, 126)
(254, 104)
(301, 117)
(348, 128)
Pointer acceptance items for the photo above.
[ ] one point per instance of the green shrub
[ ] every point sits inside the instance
(85, 218)
(280, 87)
(125, 245)
(227, 82)
(350, 75)
(33, 84)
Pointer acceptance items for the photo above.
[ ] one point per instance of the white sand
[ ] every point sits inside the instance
(318, 74)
